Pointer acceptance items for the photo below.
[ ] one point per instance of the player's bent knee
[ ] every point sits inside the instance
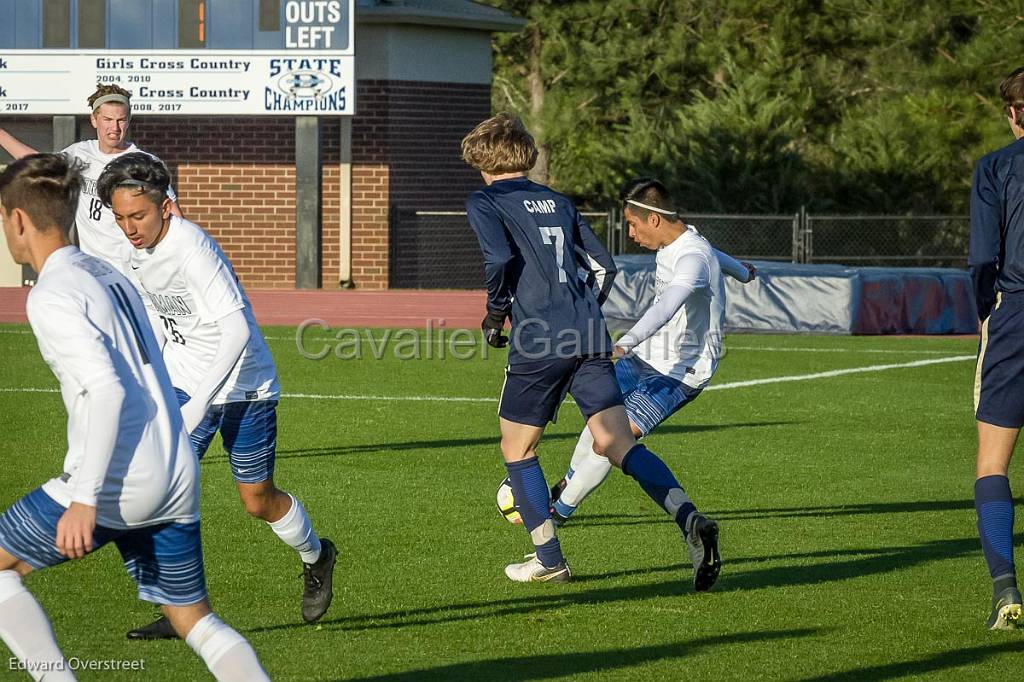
(184, 618)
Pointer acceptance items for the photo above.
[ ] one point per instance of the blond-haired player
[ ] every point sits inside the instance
(110, 114)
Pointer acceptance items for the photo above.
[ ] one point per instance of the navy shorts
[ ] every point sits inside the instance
(533, 391)
(165, 560)
(249, 432)
(999, 379)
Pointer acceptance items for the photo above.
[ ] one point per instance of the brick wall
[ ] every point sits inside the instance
(236, 178)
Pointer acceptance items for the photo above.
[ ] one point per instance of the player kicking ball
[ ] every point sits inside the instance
(220, 366)
(533, 240)
(670, 354)
(130, 476)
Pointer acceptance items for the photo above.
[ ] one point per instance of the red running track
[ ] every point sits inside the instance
(412, 309)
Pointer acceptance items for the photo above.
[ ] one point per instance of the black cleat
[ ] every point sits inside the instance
(158, 629)
(1006, 608)
(556, 490)
(702, 543)
(318, 581)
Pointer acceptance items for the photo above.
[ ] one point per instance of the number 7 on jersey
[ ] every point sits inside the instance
(555, 235)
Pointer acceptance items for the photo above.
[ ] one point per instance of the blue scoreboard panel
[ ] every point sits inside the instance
(179, 56)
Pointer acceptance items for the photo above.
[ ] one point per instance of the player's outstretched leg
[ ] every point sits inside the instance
(249, 430)
(26, 630)
(288, 519)
(587, 471)
(615, 439)
(518, 445)
(226, 653)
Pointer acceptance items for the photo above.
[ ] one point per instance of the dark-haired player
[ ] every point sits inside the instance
(130, 476)
(220, 365)
(110, 114)
(996, 261)
(669, 356)
(534, 241)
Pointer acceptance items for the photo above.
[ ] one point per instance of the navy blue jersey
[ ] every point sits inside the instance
(541, 259)
(996, 256)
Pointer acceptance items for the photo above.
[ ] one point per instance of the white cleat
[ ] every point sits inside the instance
(533, 571)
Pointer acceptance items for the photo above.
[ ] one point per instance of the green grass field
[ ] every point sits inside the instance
(848, 534)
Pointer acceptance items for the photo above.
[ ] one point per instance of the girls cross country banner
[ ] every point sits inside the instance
(312, 73)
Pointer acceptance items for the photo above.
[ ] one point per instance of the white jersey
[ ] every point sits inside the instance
(189, 284)
(98, 233)
(92, 331)
(689, 346)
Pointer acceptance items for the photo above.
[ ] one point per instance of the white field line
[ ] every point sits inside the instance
(714, 387)
(839, 372)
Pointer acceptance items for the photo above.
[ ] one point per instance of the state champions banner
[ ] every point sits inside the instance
(307, 77)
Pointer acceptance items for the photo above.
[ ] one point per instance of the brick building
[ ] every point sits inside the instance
(423, 79)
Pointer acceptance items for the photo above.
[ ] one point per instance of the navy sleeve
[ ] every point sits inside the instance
(983, 254)
(497, 249)
(592, 255)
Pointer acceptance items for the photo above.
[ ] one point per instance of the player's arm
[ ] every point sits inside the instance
(690, 274)
(498, 255)
(14, 146)
(213, 287)
(738, 270)
(592, 255)
(85, 357)
(983, 253)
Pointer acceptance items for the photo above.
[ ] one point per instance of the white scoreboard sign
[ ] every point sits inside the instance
(307, 77)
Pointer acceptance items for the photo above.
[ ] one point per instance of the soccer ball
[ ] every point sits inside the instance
(507, 503)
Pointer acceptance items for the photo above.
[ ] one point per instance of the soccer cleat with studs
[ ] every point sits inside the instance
(702, 544)
(533, 571)
(159, 629)
(1006, 608)
(318, 582)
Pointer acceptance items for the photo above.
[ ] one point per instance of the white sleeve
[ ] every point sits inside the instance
(690, 274)
(234, 336)
(84, 359)
(212, 284)
(731, 266)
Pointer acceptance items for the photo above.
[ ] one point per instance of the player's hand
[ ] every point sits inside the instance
(493, 327)
(192, 414)
(618, 352)
(751, 270)
(75, 530)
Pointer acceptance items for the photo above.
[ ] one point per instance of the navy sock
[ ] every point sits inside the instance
(533, 500)
(658, 482)
(994, 503)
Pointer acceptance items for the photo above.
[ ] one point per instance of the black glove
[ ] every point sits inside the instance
(493, 326)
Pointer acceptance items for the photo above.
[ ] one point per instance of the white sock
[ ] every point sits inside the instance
(589, 470)
(296, 531)
(226, 653)
(26, 631)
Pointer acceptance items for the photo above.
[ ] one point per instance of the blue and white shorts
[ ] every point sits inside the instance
(249, 431)
(650, 396)
(165, 561)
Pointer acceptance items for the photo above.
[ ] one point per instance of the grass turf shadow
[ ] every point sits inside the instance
(864, 562)
(547, 666)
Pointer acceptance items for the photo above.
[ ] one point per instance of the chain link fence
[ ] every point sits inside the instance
(438, 250)
(936, 241)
